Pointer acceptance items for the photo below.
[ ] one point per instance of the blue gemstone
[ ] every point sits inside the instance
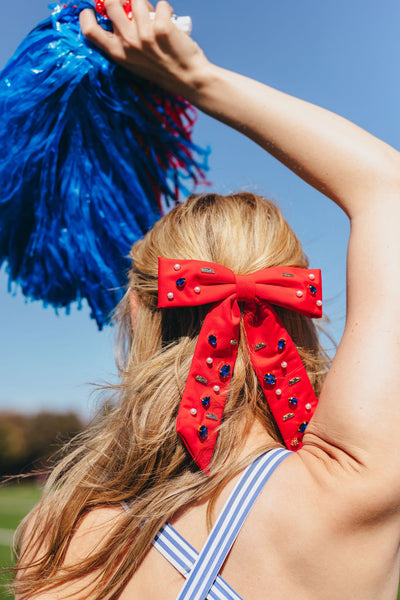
(206, 401)
(281, 344)
(225, 371)
(270, 379)
(212, 340)
(303, 426)
(180, 283)
(312, 289)
(203, 432)
(293, 401)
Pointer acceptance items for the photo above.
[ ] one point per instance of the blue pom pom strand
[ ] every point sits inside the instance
(90, 158)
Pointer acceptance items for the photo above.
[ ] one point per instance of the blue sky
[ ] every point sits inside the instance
(342, 55)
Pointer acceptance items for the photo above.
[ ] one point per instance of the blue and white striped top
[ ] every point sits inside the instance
(201, 569)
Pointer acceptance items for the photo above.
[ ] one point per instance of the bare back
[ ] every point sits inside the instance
(308, 536)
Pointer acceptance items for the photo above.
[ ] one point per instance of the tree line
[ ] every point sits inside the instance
(28, 441)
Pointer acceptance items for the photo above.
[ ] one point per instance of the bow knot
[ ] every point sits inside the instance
(274, 357)
(245, 288)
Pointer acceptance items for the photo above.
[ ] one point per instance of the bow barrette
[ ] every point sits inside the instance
(273, 354)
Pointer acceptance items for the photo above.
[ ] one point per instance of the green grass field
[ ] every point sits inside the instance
(15, 502)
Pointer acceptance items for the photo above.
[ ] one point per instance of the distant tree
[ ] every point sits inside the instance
(27, 442)
(14, 444)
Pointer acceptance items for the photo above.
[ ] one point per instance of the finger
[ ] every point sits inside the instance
(165, 31)
(129, 4)
(96, 34)
(164, 12)
(149, 5)
(118, 16)
(163, 25)
(141, 15)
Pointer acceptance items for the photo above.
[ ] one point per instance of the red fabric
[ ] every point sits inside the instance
(268, 342)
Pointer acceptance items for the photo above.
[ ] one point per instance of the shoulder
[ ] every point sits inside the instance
(93, 527)
(322, 480)
(93, 530)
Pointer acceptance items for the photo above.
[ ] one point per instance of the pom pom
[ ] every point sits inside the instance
(90, 158)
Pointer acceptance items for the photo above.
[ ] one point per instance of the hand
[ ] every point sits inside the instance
(154, 49)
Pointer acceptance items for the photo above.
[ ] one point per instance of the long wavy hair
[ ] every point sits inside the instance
(132, 453)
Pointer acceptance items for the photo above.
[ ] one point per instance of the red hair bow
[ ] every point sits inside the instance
(273, 354)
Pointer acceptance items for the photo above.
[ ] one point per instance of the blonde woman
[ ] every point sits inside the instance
(326, 524)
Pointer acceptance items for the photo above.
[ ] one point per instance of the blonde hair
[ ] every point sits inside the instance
(133, 453)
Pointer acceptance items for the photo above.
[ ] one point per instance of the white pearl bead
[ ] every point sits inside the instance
(308, 407)
(311, 276)
(319, 302)
(170, 296)
(197, 289)
(209, 361)
(284, 365)
(299, 294)
(177, 267)
(278, 392)
(216, 388)
(193, 412)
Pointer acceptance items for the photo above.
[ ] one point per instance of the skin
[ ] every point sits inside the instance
(327, 525)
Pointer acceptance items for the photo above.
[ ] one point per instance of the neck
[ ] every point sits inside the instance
(255, 438)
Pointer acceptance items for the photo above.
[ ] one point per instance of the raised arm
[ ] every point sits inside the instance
(358, 419)
(335, 156)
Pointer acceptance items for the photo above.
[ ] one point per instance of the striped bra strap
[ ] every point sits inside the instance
(228, 525)
(182, 556)
(204, 571)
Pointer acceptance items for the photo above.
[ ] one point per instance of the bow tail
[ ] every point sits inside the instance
(280, 371)
(203, 401)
